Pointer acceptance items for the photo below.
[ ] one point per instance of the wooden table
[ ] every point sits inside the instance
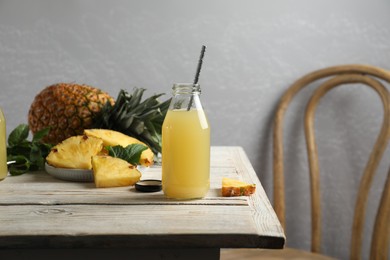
(39, 213)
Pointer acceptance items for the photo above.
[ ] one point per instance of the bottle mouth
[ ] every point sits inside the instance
(186, 88)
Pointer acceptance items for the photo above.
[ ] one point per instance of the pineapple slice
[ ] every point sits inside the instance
(112, 138)
(75, 152)
(113, 172)
(231, 187)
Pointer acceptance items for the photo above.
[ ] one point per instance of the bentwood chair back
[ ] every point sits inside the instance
(334, 76)
(369, 76)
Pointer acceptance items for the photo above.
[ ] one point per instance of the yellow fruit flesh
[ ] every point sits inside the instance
(75, 152)
(113, 138)
(232, 187)
(113, 172)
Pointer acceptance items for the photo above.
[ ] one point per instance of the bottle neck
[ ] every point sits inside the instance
(185, 97)
(186, 89)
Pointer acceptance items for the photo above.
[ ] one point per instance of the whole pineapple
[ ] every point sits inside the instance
(67, 109)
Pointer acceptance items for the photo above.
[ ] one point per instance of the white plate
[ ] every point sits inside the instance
(65, 174)
(79, 175)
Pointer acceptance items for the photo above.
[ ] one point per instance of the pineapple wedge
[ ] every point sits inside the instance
(231, 187)
(75, 152)
(112, 138)
(113, 172)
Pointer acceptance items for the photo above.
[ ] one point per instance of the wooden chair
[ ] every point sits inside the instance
(338, 75)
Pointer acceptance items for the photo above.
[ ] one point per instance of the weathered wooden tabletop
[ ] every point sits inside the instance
(39, 211)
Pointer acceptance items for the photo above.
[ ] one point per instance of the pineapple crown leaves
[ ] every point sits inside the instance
(132, 116)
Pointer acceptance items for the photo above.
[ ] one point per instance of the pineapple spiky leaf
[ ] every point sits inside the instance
(132, 116)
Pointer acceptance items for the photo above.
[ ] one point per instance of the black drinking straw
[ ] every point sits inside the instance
(197, 73)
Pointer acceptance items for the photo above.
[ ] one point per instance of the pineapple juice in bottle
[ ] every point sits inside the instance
(185, 145)
(3, 147)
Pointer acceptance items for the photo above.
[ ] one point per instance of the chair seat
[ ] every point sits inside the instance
(286, 253)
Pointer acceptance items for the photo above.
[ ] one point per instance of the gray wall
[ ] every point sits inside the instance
(256, 49)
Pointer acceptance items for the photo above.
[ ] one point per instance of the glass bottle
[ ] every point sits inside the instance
(3, 148)
(185, 145)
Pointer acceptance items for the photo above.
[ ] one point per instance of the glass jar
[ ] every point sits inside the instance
(3, 148)
(185, 145)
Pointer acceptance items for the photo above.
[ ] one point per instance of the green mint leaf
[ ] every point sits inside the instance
(22, 164)
(18, 135)
(36, 156)
(22, 148)
(134, 152)
(116, 151)
(40, 134)
(29, 155)
(131, 153)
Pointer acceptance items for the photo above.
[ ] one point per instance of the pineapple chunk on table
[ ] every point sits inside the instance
(231, 187)
(113, 172)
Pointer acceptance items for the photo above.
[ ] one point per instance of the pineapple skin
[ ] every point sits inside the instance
(113, 138)
(113, 172)
(75, 152)
(232, 188)
(67, 109)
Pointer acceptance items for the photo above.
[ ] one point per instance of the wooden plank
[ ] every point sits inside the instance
(41, 188)
(37, 210)
(124, 219)
(263, 214)
(136, 226)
